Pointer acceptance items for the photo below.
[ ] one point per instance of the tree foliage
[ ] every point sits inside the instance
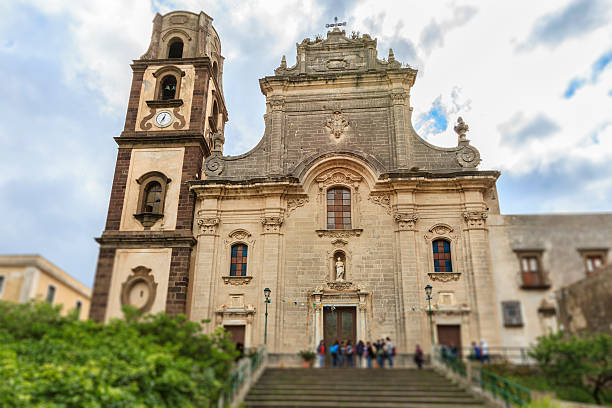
(583, 362)
(47, 360)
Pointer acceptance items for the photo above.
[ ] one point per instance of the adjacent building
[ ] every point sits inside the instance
(342, 210)
(27, 277)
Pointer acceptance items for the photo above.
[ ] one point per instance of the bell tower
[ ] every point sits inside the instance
(176, 113)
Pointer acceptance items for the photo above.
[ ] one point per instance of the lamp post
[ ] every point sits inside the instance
(428, 289)
(267, 300)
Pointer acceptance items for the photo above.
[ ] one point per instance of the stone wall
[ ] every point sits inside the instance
(586, 305)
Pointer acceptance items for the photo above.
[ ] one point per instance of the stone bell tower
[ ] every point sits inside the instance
(175, 117)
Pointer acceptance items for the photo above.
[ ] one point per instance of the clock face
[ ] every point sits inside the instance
(163, 119)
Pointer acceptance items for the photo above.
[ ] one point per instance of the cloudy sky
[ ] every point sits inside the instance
(533, 80)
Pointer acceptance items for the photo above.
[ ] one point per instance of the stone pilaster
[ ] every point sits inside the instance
(272, 278)
(409, 282)
(203, 283)
(276, 112)
(483, 291)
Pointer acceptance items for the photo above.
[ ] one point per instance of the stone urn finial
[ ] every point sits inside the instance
(283, 62)
(461, 128)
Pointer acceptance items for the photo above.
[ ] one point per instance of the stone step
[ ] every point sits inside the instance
(359, 388)
(358, 397)
(351, 391)
(363, 404)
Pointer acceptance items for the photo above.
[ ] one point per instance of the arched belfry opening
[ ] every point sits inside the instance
(175, 50)
(168, 88)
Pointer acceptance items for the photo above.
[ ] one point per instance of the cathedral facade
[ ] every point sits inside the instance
(342, 212)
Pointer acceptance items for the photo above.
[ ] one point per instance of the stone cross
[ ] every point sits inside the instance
(336, 23)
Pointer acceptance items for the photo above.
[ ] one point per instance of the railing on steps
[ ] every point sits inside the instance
(496, 389)
(245, 373)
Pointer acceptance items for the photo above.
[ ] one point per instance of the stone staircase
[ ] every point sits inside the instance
(375, 388)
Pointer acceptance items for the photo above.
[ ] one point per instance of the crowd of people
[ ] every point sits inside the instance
(362, 355)
(478, 352)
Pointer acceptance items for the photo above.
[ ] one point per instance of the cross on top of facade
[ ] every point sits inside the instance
(336, 23)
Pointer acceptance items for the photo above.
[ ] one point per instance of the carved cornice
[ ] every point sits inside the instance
(444, 276)
(208, 226)
(237, 280)
(382, 199)
(355, 232)
(475, 219)
(272, 224)
(406, 221)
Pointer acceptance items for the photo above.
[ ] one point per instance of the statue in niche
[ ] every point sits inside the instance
(339, 270)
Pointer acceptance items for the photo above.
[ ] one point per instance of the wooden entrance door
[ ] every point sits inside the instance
(450, 335)
(237, 333)
(339, 324)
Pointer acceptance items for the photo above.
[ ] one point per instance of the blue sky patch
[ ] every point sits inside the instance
(573, 86)
(435, 118)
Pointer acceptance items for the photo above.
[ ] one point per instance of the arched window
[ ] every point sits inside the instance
(442, 256)
(176, 48)
(238, 265)
(167, 89)
(152, 198)
(214, 117)
(215, 70)
(338, 208)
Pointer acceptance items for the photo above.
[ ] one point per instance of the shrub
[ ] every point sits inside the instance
(580, 364)
(47, 360)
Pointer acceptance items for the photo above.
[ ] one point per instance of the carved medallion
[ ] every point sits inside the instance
(139, 289)
(468, 156)
(337, 125)
(213, 165)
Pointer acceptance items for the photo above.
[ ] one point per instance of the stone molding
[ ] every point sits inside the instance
(272, 224)
(444, 276)
(406, 221)
(441, 229)
(232, 313)
(208, 225)
(237, 280)
(399, 97)
(277, 103)
(355, 232)
(239, 235)
(475, 219)
(146, 239)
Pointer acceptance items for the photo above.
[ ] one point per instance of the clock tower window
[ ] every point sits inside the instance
(176, 48)
(168, 88)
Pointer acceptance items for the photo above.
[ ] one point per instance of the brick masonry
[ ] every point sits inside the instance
(104, 272)
(178, 281)
(115, 206)
(192, 166)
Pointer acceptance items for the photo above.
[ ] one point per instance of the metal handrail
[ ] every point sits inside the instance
(501, 387)
(453, 362)
(244, 369)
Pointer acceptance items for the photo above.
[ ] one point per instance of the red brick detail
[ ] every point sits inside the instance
(198, 102)
(104, 272)
(115, 206)
(192, 165)
(134, 101)
(178, 281)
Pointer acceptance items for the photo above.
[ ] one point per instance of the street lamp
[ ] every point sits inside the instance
(428, 289)
(267, 300)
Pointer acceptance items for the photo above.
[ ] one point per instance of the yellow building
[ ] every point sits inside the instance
(25, 277)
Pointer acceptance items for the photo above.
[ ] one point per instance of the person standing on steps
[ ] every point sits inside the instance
(333, 351)
(349, 354)
(360, 351)
(484, 351)
(380, 353)
(321, 354)
(419, 357)
(390, 351)
(341, 354)
(369, 353)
